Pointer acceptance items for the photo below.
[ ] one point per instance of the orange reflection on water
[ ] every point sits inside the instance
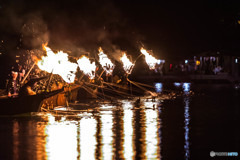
(28, 137)
(128, 130)
(61, 140)
(107, 134)
(15, 140)
(139, 134)
(152, 139)
(88, 138)
(113, 132)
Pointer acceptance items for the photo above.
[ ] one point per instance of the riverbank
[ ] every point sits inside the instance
(220, 78)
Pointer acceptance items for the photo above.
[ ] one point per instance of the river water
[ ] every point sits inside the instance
(201, 119)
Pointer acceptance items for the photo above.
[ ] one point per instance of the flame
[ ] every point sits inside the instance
(127, 64)
(106, 63)
(86, 66)
(150, 60)
(58, 64)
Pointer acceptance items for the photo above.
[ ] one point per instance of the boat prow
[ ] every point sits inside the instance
(24, 104)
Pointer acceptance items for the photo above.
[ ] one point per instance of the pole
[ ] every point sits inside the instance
(101, 74)
(27, 73)
(137, 58)
(49, 80)
(81, 77)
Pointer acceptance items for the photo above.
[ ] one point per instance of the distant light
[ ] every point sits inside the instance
(159, 61)
(236, 60)
(176, 84)
(158, 87)
(186, 87)
(197, 63)
(186, 61)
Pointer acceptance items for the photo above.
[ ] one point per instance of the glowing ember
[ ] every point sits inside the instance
(150, 60)
(127, 64)
(106, 63)
(58, 64)
(87, 67)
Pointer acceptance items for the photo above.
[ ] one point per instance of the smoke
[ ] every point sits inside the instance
(74, 28)
(34, 32)
(27, 28)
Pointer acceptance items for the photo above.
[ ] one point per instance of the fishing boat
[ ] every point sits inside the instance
(24, 104)
(69, 94)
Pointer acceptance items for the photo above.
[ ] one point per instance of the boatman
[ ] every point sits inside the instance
(13, 85)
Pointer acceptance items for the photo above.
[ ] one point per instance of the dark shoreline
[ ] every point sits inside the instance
(225, 79)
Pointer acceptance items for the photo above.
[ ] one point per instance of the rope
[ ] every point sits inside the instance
(137, 85)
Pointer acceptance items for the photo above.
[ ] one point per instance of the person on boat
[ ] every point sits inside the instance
(21, 72)
(13, 85)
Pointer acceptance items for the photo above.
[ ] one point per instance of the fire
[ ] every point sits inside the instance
(106, 63)
(58, 64)
(150, 60)
(87, 67)
(127, 64)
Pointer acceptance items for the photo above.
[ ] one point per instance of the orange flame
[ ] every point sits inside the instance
(86, 66)
(150, 60)
(106, 63)
(58, 64)
(127, 64)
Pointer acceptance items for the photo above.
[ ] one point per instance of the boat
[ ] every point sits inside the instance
(69, 94)
(24, 104)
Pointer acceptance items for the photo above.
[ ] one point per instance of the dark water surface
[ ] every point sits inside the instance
(187, 127)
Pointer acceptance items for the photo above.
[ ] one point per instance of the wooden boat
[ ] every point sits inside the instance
(24, 104)
(70, 94)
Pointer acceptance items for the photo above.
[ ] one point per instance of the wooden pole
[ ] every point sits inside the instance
(27, 74)
(137, 58)
(81, 77)
(49, 80)
(101, 74)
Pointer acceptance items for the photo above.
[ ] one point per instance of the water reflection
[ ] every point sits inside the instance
(186, 88)
(159, 87)
(87, 138)
(107, 134)
(15, 140)
(61, 140)
(139, 134)
(128, 130)
(152, 139)
(186, 127)
(111, 131)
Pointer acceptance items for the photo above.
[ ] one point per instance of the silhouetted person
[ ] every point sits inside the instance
(13, 85)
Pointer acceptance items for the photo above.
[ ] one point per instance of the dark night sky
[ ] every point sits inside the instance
(173, 30)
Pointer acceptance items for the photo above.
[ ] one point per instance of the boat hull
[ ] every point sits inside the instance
(61, 99)
(24, 104)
